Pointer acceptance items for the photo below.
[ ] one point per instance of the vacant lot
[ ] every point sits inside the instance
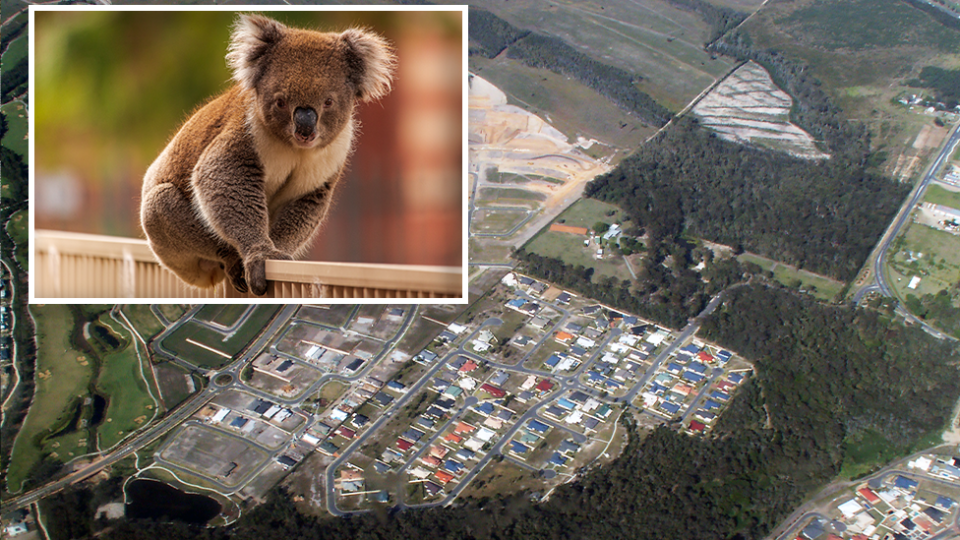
(222, 315)
(228, 345)
(175, 384)
(939, 195)
(143, 319)
(587, 212)
(497, 220)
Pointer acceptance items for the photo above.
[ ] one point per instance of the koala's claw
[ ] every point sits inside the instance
(235, 275)
(256, 271)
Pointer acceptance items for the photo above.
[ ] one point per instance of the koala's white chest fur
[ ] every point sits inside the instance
(290, 173)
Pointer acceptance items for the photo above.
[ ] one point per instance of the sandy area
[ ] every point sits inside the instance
(748, 108)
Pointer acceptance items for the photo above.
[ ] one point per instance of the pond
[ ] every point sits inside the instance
(151, 499)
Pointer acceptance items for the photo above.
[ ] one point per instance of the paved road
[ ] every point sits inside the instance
(880, 284)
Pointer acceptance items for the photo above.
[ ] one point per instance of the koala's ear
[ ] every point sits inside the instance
(371, 63)
(253, 37)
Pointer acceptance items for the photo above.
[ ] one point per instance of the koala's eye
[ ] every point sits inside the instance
(281, 103)
(327, 103)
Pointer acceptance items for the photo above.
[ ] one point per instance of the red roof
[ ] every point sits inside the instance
(453, 437)
(704, 356)
(544, 385)
(492, 390)
(697, 426)
(444, 476)
(869, 495)
(404, 444)
(464, 427)
(432, 461)
(469, 366)
(564, 336)
(346, 432)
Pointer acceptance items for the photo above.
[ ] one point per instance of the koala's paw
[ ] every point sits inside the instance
(234, 271)
(256, 269)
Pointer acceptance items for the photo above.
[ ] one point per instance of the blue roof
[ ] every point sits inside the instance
(553, 360)
(612, 383)
(673, 366)
(518, 447)
(566, 403)
(537, 425)
(396, 385)
(425, 422)
(238, 422)
(453, 466)
(557, 459)
(658, 388)
(903, 482)
(698, 367)
(735, 378)
(555, 411)
(465, 453)
(724, 355)
(412, 434)
(381, 467)
(578, 351)
(711, 404)
(670, 407)
(485, 408)
(692, 377)
(429, 356)
(945, 502)
(516, 302)
(594, 376)
(716, 394)
(690, 349)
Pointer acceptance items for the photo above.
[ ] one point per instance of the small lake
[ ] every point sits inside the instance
(150, 499)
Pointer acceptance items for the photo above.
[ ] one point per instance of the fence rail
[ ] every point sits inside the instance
(74, 265)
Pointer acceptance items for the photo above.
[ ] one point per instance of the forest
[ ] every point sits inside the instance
(945, 84)
(490, 36)
(823, 375)
(824, 216)
(720, 19)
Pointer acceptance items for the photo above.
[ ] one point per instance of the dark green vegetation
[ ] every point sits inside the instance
(945, 84)
(828, 377)
(230, 345)
(490, 36)
(938, 309)
(811, 214)
(720, 19)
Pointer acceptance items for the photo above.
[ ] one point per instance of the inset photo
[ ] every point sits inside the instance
(247, 155)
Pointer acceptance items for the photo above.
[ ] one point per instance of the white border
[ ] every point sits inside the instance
(464, 162)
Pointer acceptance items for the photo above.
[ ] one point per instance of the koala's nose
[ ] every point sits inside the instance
(305, 119)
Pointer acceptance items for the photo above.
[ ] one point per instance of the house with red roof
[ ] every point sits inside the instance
(869, 495)
(544, 386)
(704, 356)
(492, 390)
(697, 427)
(404, 444)
(444, 476)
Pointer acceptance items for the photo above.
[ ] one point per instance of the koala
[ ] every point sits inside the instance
(250, 175)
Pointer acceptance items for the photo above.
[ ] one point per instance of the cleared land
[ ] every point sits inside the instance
(864, 52)
(228, 345)
(747, 107)
(143, 319)
(222, 315)
(661, 43)
(939, 195)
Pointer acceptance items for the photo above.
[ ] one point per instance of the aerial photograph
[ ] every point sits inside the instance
(713, 273)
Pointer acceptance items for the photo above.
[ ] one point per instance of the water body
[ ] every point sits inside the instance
(151, 499)
(106, 335)
(99, 407)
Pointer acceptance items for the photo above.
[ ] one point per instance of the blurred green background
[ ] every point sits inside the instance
(112, 87)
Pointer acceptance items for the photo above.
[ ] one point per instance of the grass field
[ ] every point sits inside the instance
(820, 286)
(557, 100)
(172, 312)
(659, 42)
(172, 380)
(63, 376)
(865, 453)
(586, 212)
(223, 315)
(509, 195)
(129, 403)
(16, 136)
(484, 251)
(230, 345)
(143, 319)
(495, 220)
(18, 227)
(938, 268)
(938, 195)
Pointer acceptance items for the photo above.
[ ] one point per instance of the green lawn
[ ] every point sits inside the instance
(938, 268)
(172, 312)
(16, 136)
(495, 220)
(569, 248)
(864, 453)
(18, 227)
(230, 344)
(63, 377)
(223, 315)
(938, 195)
(820, 286)
(143, 319)
(587, 212)
(129, 403)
